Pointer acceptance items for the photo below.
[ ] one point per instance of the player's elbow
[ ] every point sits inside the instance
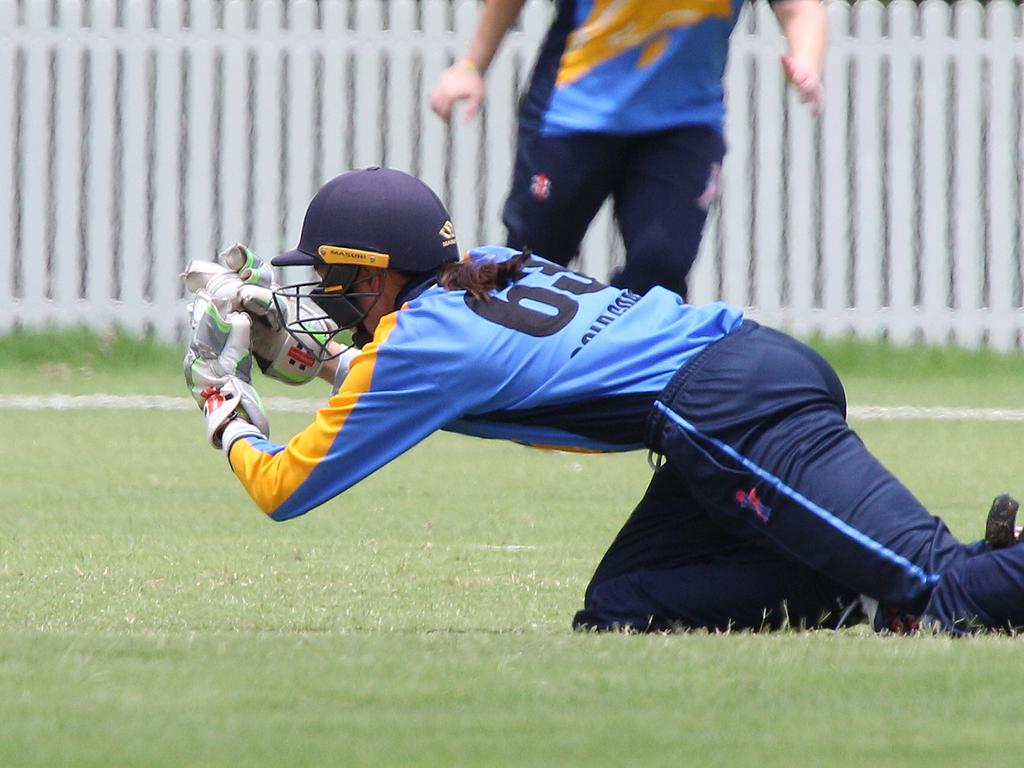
(283, 516)
(282, 513)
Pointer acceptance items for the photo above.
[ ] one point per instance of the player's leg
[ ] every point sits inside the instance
(671, 566)
(664, 188)
(986, 590)
(558, 186)
(750, 590)
(755, 428)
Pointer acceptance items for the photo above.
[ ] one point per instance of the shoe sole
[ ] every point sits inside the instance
(1000, 530)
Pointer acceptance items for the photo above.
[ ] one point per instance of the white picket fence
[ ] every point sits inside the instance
(137, 134)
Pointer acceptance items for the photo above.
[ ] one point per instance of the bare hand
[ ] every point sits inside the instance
(460, 82)
(807, 81)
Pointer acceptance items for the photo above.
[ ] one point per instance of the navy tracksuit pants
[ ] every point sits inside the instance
(662, 184)
(769, 510)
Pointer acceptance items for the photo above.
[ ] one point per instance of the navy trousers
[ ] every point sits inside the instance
(770, 510)
(662, 184)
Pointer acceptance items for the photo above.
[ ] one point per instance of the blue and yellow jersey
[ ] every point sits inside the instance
(555, 359)
(631, 66)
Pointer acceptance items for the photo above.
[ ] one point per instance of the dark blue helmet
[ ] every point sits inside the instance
(375, 218)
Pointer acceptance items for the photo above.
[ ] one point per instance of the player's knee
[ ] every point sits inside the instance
(980, 592)
(648, 267)
(616, 605)
(657, 256)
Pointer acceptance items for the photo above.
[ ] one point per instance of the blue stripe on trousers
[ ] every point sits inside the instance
(915, 571)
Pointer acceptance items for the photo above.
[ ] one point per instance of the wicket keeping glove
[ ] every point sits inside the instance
(244, 282)
(292, 356)
(227, 414)
(218, 356)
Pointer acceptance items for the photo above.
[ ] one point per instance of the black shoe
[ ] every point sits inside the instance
(1000, 528)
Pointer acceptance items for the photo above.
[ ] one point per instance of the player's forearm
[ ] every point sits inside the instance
(496, 17)
(805, 25)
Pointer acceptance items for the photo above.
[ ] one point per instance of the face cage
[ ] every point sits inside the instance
(314, 308)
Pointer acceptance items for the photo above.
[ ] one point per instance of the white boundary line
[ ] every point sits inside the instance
(933, 413)
(138, 402)
(293, 405)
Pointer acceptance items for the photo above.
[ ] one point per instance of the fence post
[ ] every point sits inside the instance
(369, 95)
(32, 256)
(199, 103)
(168, 255)
(8, 16)
(68, 164)
(133, 252)
(968, 248)
(935, 171)
(736, 201)
(233, 175)
(299, 149)
(402, 87)
(500, 119)
(1003, 134)
(464, 160)
(267, 173)
(433, 140)
(902, 147)
(767, 176)
(334, 109)
(835, 176)
(99, 168)
(867, 159)
(801, 226)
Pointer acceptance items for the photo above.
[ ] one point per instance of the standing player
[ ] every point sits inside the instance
(625, 100)
(765, 508)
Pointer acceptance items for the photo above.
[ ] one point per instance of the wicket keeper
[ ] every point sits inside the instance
(764, 508)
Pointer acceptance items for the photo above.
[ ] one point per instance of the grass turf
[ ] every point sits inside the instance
(152, 617)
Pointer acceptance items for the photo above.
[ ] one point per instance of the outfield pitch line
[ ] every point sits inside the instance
(934, 413)
(137, 402)
(293, 405)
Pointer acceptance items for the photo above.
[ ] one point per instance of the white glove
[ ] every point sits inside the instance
(250, 268)
(292, 357)
(218, 356)
(221, 283)
(245, 283)
(218, 346)
(229, 413)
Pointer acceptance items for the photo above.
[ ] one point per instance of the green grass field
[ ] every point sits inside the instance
(152, 616)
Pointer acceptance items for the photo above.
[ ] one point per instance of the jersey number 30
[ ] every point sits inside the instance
(516, 312)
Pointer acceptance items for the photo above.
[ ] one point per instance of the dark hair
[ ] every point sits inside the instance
(479, 278)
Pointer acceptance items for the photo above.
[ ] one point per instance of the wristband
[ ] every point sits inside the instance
(469, 64)
(235, 430)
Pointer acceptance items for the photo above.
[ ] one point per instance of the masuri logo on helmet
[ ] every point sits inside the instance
(332, 254)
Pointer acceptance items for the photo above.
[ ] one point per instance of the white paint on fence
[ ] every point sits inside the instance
(138, 134)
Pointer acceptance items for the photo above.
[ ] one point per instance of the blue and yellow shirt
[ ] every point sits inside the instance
(631, 66)
(555, 359)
